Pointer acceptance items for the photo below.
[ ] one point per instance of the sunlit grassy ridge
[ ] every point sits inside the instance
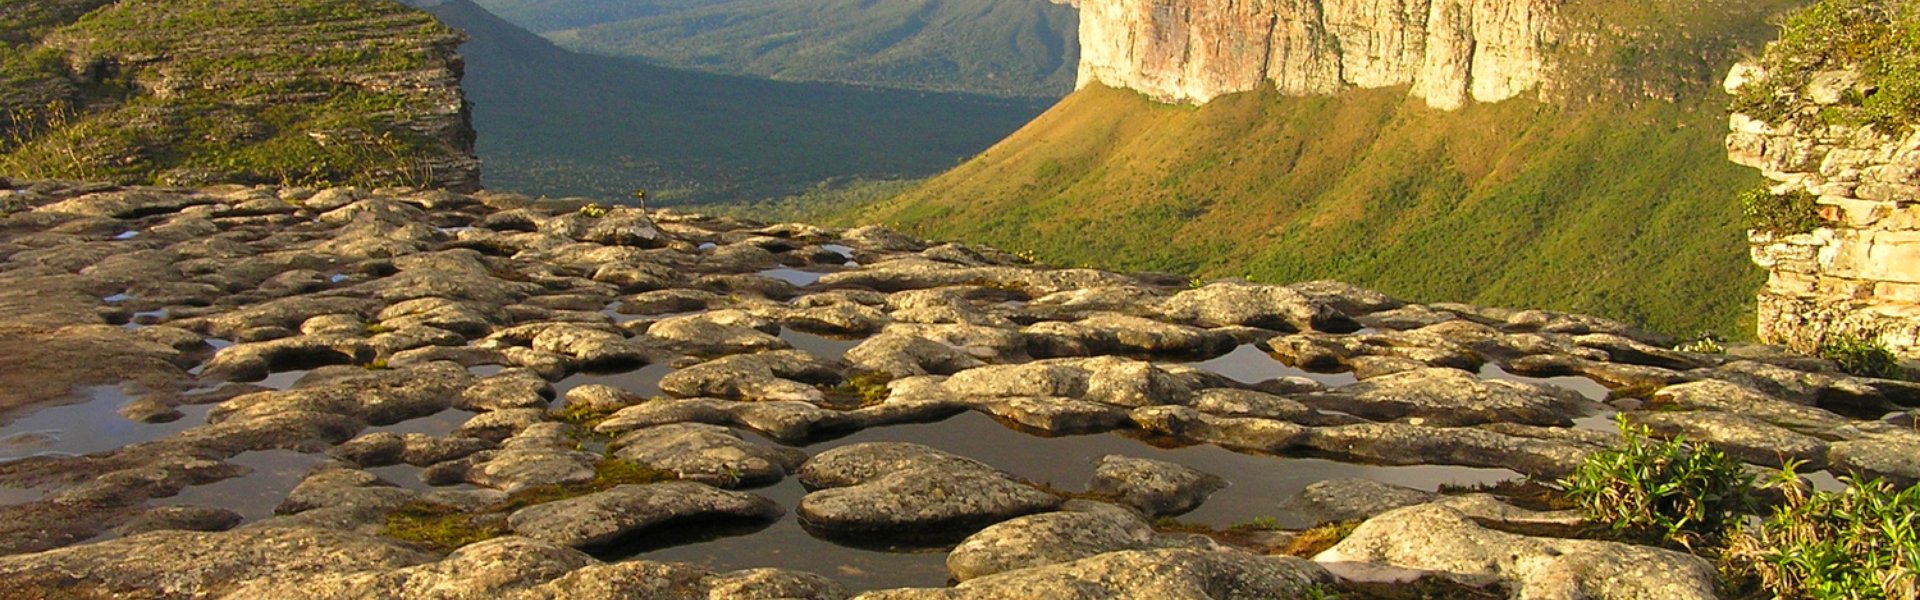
(1611, 209)
(195, 91)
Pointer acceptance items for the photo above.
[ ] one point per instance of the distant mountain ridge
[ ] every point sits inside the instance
(998, 47)
(561, 123)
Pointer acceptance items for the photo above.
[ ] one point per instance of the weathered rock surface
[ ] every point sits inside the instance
(394, 354)
(897, 488)
(1168, 573)
(1437, 538)
(1155, 487)
(605, 517)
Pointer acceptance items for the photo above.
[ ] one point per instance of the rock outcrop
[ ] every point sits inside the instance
(1856, 272)
(1449, 51)
(402, 352)
(302, 91)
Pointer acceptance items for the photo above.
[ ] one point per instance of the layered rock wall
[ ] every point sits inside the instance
(1859, 272)
(1449, 51)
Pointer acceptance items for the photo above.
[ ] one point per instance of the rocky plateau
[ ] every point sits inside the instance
(430, 351)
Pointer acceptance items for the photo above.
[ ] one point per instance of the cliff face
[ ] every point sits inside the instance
(1449, 51)
(203, 91)
(1828, 115)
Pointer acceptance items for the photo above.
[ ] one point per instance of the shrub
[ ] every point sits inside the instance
(1661, 489)
(1779, 214)
(1861, 543)
(1861, 355)
(1879, 39)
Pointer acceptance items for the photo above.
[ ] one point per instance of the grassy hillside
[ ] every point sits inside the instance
(560, 123)
(1611, 209)
(198, 91)
(1000, 47)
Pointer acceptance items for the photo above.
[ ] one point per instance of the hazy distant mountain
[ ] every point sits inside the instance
(556, 122)
(1002, 47)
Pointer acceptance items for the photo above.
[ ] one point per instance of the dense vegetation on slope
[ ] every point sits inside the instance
(1001, 47)
(1879, 40)
(558, 123)
(1623, 211)
(1615, 198)
(197, 91)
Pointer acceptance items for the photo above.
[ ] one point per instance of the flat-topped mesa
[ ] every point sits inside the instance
(1192, 51)
(1811, 130)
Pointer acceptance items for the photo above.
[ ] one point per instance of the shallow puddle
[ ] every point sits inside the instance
(644, 381)
(255, 494)
(1260, 484)
(830, 348)
(1601, 418)
(796, 277)
(91, 426)
(1585, 387)
(437, 424)
(282, 380)
(11, 496)
(1248, 364)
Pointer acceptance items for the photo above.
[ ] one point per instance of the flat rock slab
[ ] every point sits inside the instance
(1438, 538)
(1451, 397)
(603, 517)
(895, 489)
(1165, 573)
(1155, 487)
(709, 454)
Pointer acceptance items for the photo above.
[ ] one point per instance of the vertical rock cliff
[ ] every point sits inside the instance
(1449, 51)
(1828, 115)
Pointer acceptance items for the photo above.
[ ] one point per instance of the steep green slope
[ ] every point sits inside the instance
(199, 91)
(1614, 209)
(555, 122)
(1001, 47)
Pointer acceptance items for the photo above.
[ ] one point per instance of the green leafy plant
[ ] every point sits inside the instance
(1864, 355)
(1706, 343)
(1654, 489)
(1779, 214)
(1860, 543)
(593, 211)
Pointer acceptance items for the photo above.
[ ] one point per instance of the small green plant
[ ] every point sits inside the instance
(1654, 489)
(1320, 591)
(868, 387)
(593, 211)
(1319, 539)
(1706, 343)
(1779, 214)
(587, 416)
(379, 364)
(1863, 355)
(1258, 524)
(377, 329)
(441, 528)
(1861, 543)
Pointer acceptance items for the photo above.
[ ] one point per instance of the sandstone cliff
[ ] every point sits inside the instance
(1820, 121)
(1449, 51)
(200, 91)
